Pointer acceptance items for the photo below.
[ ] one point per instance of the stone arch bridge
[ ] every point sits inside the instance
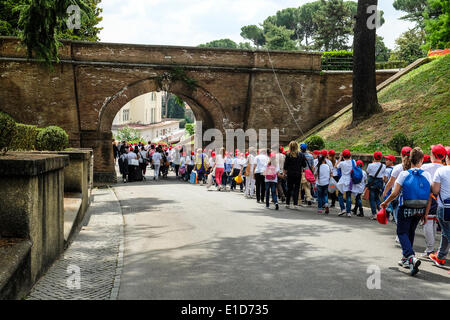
(234, 89)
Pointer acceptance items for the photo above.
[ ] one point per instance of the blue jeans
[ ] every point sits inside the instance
(348, 205)
(445, 237)
(374, 194)
(406, 231)
(358, 202)
(322, 196)
(271, 187)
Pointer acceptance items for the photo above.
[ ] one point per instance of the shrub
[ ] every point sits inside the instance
(337, 60)
(400, 140)
(398, 64)
(52, 138)
(7, 132)
(25, 137)
(315, 143)
(190, 128)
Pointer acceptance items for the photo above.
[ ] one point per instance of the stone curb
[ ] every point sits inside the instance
(119, 267)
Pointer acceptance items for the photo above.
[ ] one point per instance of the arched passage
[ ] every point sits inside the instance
(205, 107)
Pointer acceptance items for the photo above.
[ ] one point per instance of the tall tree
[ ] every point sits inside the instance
(365, 100)
(437, 24)
(334, 25)
(42, 22)
(382, 52)
(307, 26)
(254, 34)
(408, 47)
(279, 38)
(222, 43)
(414, 10)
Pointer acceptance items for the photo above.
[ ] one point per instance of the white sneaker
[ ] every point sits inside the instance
(404, 263)
(426, 254)
(342, 213)
(349, 215)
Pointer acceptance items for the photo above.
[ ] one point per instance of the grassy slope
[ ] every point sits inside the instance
(418, 105)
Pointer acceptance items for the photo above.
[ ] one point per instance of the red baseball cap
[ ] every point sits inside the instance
(426, 157)
(324, 152)
(382, 216)
(192, 153)
(406, 151)
(360, 163)
(246, 154)
(439, 151)
(226, 153)
(285, 152)
(377, 155)
(316, 152)
(332, 152)
(390, 157)
(281, 149)
(204, 150)
(213, 154)
(346, 153)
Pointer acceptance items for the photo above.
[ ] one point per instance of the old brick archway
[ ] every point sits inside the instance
(236, 89)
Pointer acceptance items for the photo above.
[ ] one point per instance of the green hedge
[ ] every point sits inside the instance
(7, 132)
(391, 65)
(52, 138)
(315, 143)
(25, 137)
(337, 60)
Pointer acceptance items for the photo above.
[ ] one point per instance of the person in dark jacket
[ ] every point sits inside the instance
(293, 167)
(115, 151)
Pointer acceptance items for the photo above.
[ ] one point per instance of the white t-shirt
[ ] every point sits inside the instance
(131, 155)
(442, 176)
(431, 168)
(346, 167)
(397, 170)
(324, 178)
(261, 163)
(328, 161)
(359, 188)
(156, 158)
(211, 161)
(372, 169)
(220, 162)
(237, 163)
(182, 162)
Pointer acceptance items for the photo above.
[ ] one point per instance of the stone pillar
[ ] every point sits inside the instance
(101, 144)
(32, 205)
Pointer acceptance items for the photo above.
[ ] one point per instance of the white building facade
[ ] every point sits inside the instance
(143, 113)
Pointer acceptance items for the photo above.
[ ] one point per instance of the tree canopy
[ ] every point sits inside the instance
(41, 23)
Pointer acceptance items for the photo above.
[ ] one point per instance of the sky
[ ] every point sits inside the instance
(193, 22)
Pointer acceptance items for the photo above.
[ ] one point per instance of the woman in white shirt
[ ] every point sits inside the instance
(323, 174)
(343, 186)
(441, 186)
(250, 168)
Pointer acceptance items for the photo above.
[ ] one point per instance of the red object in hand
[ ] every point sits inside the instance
(382, 216)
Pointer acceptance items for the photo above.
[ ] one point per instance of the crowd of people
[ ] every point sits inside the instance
(416, 190)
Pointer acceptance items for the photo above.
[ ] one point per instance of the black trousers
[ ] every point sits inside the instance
(293, 186)
(260, 187)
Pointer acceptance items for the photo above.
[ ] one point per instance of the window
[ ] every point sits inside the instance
(126, 115)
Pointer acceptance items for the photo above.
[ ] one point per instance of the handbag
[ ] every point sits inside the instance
(366, 194)
(309, 175)
(182, 170)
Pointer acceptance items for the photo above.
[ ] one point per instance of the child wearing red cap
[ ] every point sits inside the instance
(323, 175)
(345, 163)
(375, 172)
(441, 186)
(335, 178)
(358, 190)
(437, 155)
(250, 173)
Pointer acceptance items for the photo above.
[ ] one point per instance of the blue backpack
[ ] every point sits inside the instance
(356, 173)
(416, 190)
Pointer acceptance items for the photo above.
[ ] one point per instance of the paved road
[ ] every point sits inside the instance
(183, 242)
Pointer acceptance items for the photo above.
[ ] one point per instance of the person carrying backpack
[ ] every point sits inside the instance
(413, 188)
(201, 165)
(358, 190)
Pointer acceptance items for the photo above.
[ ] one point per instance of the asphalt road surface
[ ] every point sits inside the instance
(184, 242)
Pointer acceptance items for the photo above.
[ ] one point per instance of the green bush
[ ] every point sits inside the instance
(337, 60)
(7, 132)
(52, 138)
(391, 65)
(25, 137)
(315, 143)
(183, 124)
(400, 140)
